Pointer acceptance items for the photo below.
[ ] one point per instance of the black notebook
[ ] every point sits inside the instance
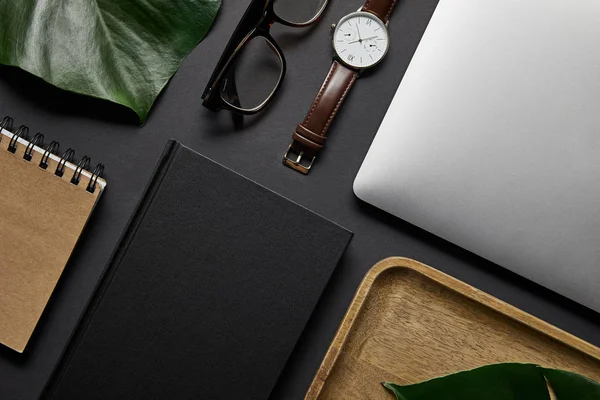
(206, 294)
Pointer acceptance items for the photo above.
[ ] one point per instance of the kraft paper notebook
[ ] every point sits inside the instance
(45, 201)
(207, 293)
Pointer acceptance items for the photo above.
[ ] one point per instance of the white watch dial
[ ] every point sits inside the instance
(360, 40)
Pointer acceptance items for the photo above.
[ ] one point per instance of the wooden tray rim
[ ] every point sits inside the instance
(451, 283)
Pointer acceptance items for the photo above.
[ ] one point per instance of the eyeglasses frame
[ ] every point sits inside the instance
(222, 78)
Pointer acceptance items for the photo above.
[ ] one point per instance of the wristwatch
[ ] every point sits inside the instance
(360, 41)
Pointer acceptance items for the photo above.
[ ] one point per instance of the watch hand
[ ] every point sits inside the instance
(363, 40)
(358, 31)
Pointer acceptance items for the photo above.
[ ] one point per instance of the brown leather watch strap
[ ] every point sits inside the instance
(381, 8)
(310, 136)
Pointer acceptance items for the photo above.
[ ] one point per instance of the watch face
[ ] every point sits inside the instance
(360, 40)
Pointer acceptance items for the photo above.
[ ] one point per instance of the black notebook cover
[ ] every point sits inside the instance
(207, 293)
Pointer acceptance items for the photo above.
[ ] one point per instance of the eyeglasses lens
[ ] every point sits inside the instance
(254, 77)
(298, 11)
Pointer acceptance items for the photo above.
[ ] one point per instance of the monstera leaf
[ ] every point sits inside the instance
(123, 51)
(502, 382)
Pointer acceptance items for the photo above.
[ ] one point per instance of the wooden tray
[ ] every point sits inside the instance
(409, 322)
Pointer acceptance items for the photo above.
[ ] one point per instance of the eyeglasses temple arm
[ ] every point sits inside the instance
(230, 88)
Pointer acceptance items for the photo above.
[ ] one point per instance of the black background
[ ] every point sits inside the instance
(110, 134)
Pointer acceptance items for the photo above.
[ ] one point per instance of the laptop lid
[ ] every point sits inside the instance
(493, 139)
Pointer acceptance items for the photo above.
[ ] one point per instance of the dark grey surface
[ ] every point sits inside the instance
(109, 134)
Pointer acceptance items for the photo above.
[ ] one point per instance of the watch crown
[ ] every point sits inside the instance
(333, 26)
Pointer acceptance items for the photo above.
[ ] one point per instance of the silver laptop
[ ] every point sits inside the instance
(493, 139)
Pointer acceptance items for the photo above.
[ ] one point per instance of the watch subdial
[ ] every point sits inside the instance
(370, 45)
(348, 36)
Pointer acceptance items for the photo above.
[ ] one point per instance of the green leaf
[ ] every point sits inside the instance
(501, 382)
(567, 385)
(494, 382)
(123, 51)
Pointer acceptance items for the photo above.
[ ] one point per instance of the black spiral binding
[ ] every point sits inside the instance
(51, 149)
(97, 173)
(37, 140)
(7, 123)
(22, 132)
(64, 159)
(68, 156)
(84, 163)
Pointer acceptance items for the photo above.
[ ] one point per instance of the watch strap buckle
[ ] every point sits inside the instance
(296, 163)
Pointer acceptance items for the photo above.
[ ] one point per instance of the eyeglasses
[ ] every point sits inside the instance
(252, 66)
